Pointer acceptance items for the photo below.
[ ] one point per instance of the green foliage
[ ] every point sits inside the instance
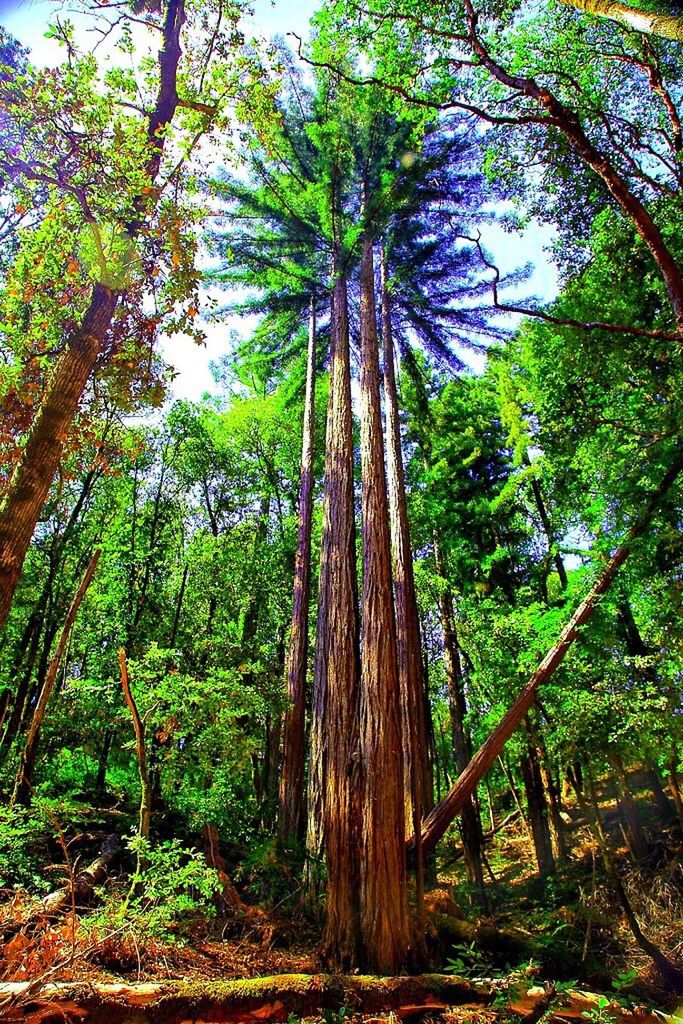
(470, 962)
(24, 839)
(602, 1013)
(174, 888)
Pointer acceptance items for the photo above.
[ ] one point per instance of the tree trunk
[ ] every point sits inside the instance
(668, 26)
(548, 530)
(417, 776)
(335, 724)
(20, 697)
(35, 471)
(383, 904)
(553, 799)
(444, 813)
(462, 744)
(24, 780)
(292, 779)
(538, 811)
(663, 804)
(32, 478)
(637, 841)
(251, 613)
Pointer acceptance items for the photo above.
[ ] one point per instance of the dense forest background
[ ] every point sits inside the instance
(371, 657)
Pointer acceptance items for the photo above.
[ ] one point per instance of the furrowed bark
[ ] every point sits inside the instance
(383, 904)
(335, 727)
(24, 781)
(417, 767)
(292, 779)
(443, 814)
(35, 471)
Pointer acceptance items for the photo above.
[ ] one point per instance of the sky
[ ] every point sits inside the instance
(27, 20)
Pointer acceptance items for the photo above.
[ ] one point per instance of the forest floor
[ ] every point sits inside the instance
(563, 933)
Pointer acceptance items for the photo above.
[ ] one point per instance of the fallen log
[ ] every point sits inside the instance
(277, 998)
(236, 1002)
(60, 901)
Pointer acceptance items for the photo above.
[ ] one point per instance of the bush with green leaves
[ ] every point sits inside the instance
(174, 888)
(24, 837)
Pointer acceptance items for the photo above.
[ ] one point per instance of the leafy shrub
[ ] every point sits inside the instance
(24, 836)
(174, 888)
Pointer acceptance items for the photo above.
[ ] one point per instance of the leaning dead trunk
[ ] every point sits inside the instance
(334, 728)
(445, 812)
(145, 817)
(35, 471)
(292, 778)
(417, 783)
(383, 904)
(24, 781)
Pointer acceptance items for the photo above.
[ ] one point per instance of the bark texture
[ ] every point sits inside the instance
(335, 726)
(383, 903)
(293, 756)
(24, 781)
(443, 814)
(538, 811)
(417, 773)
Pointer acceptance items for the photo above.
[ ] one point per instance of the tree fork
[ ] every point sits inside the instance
(443, 814)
